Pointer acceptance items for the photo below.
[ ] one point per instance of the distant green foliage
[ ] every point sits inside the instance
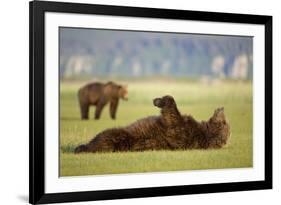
(197, 99)
(98, 52)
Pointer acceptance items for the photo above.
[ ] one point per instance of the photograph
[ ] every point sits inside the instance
(149, 101)
(140, 102)
(130, 102)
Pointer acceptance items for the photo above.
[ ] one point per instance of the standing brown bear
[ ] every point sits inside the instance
(99, 94)
(170, 130)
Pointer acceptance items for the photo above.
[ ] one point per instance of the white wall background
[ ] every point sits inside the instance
(14, 44)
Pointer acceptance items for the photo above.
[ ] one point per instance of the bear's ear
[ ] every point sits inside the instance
(219, 110)
(125, 87)
(109, 83)
(219, 115)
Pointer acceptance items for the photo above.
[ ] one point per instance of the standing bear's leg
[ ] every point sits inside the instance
(83, 103)
(99, 108)
(113, 108)
(84, 109)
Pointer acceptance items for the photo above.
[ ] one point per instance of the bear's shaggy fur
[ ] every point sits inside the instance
(170, 131)
(99, 94)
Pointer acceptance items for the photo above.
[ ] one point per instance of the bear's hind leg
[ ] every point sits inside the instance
(81, 148)
(113, 108)
(84, 108)
(112, 140)
(99, 108)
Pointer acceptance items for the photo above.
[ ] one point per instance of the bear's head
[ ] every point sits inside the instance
(219, 128)
(218, 116)
(164, 102)
(123, 92)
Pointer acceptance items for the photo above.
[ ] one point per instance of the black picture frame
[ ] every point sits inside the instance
(37, 128)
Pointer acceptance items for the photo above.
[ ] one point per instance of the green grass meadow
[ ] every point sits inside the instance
(194, 98)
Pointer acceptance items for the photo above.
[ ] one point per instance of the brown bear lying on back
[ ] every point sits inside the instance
(170, 131)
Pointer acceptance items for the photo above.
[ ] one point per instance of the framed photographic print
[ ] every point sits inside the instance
(140, 102)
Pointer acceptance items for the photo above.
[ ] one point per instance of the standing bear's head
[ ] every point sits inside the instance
(123, 92)
(114, 90)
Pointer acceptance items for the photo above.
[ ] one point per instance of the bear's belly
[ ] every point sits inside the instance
(148, 134)
(93, 100)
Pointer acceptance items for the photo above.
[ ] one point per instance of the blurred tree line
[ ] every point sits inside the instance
(92, 52)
